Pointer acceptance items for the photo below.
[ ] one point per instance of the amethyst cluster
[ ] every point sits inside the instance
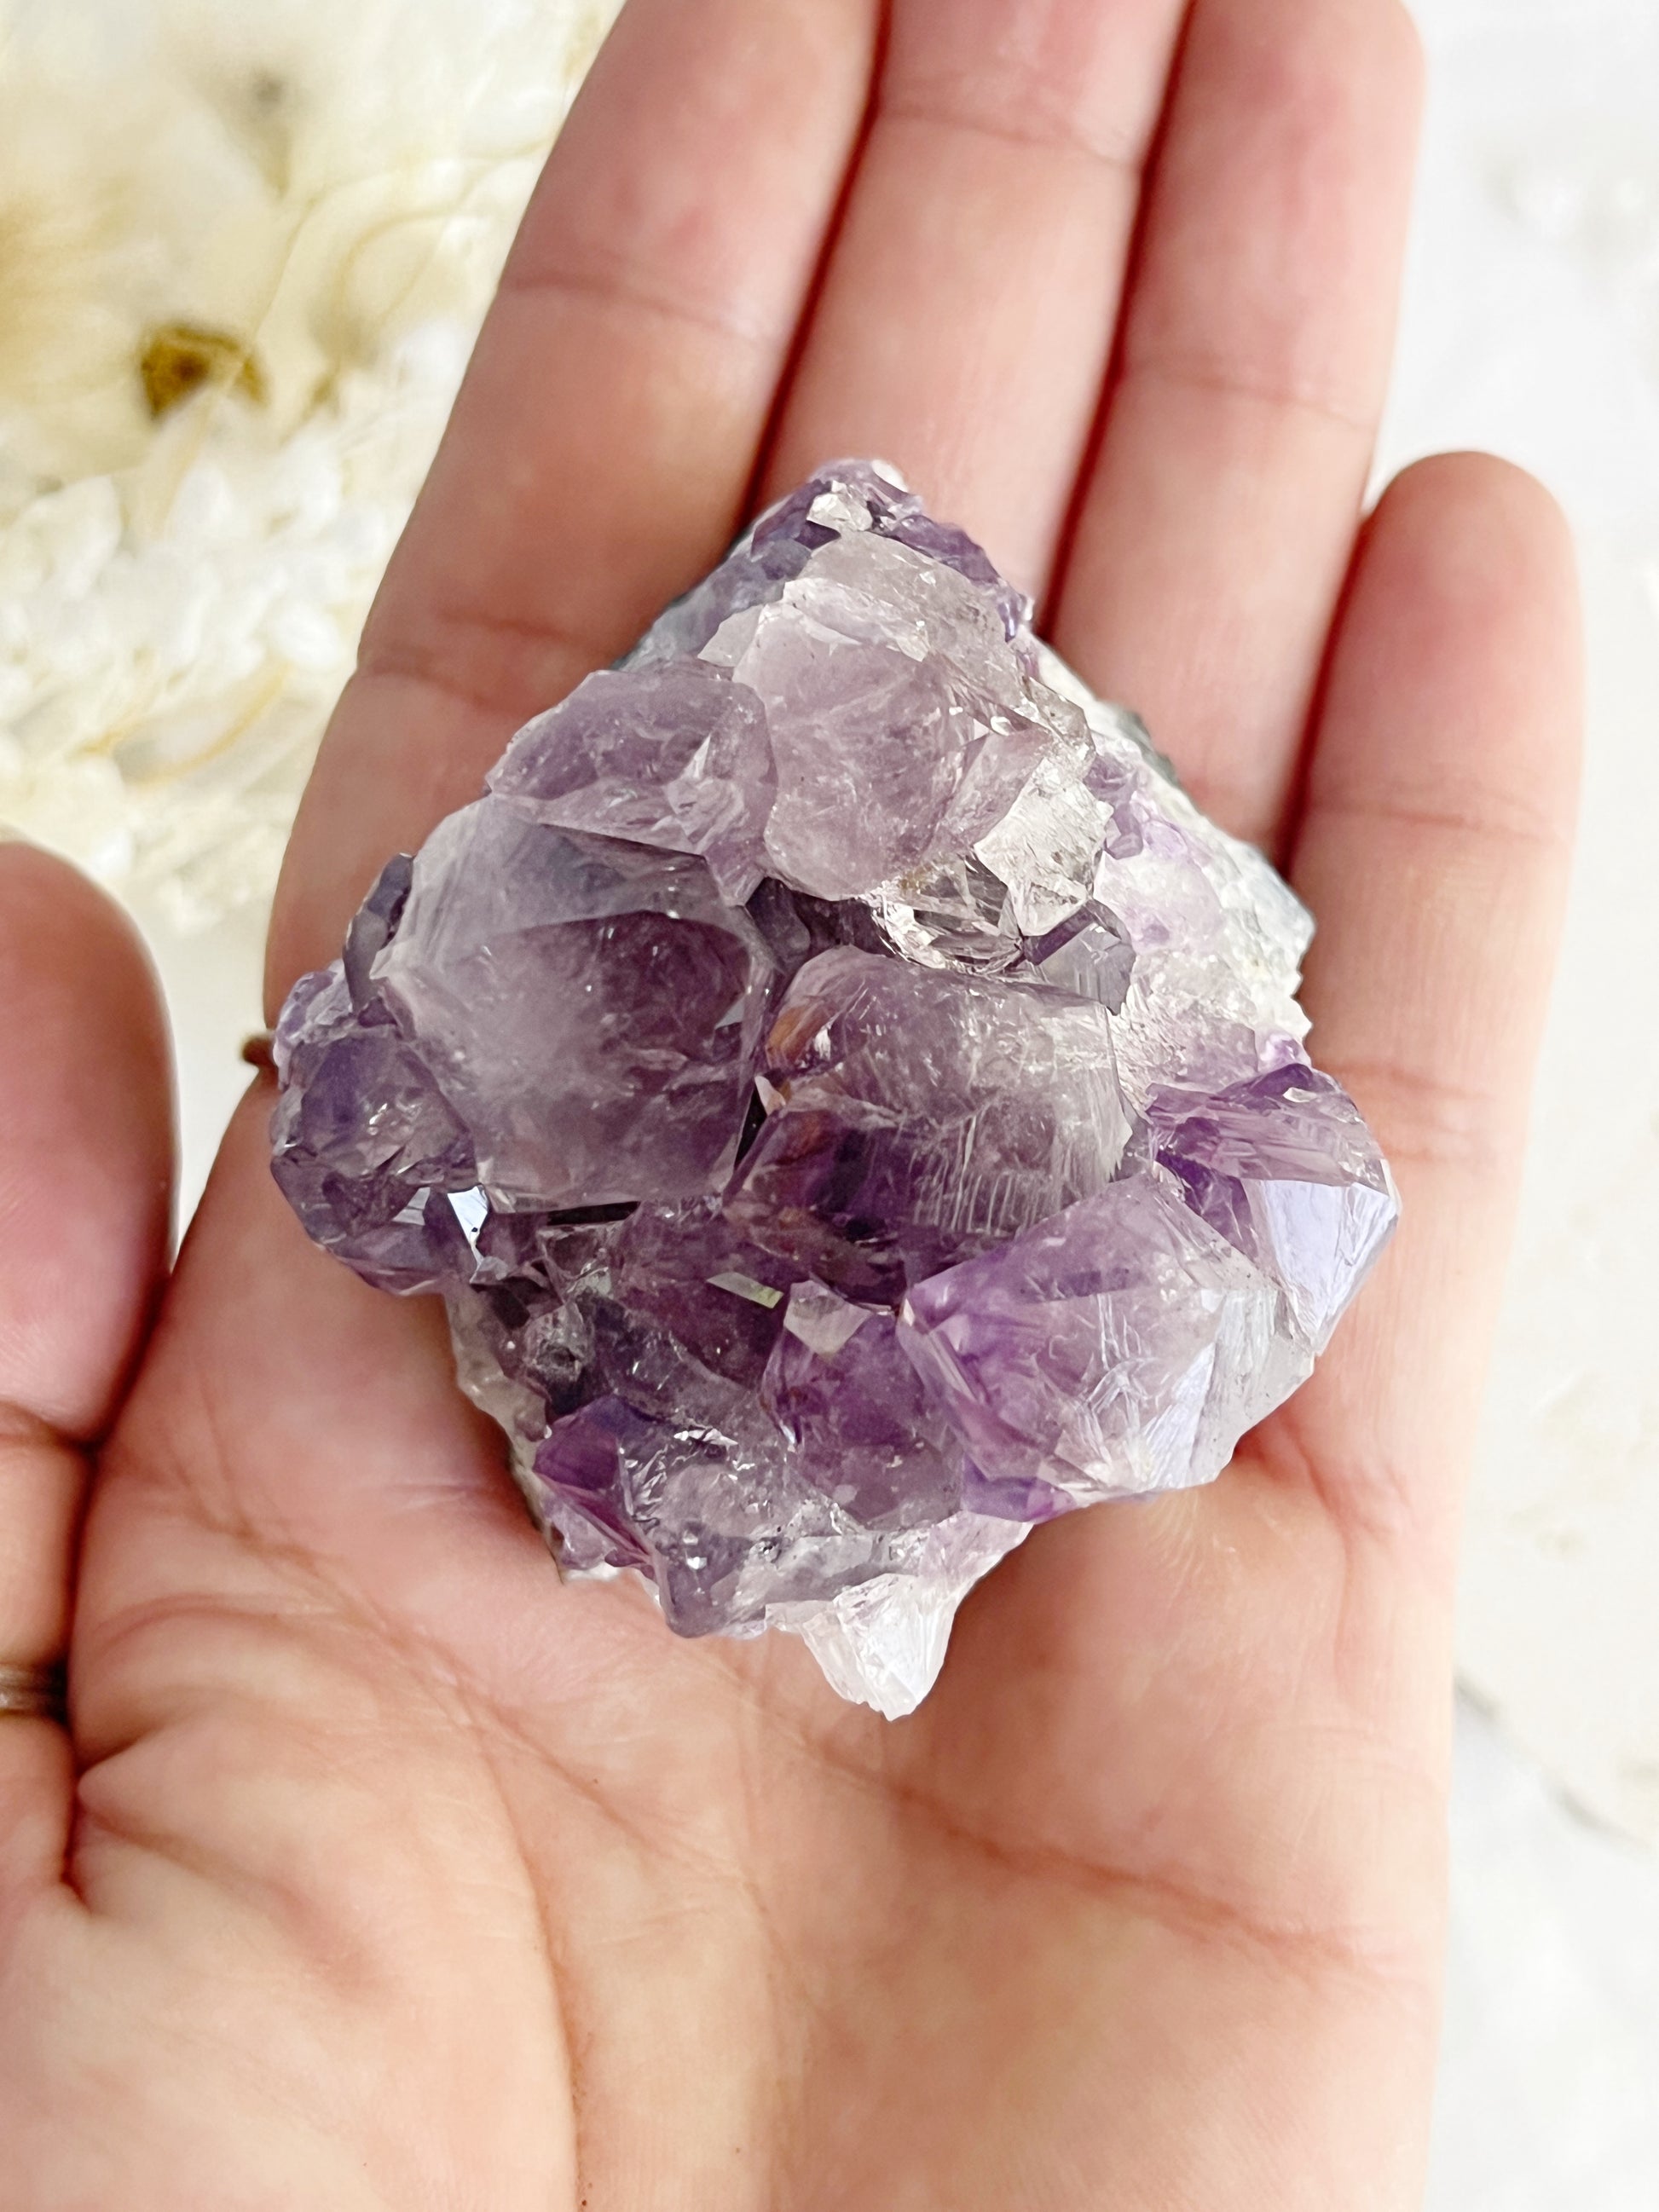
(851, 1101)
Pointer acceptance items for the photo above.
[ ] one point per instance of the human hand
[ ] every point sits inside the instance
(380, 1869)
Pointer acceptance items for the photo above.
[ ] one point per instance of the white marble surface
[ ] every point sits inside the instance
(1549, 2080)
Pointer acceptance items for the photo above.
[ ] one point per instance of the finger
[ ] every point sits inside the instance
(967, 310)
(609, 426)
(1434, 850)
(1216, 528)
(86, 1153)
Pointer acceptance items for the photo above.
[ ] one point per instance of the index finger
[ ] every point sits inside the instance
(605, 435)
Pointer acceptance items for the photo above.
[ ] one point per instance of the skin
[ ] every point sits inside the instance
(378, 1869)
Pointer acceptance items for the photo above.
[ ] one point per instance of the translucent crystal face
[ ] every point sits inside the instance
(851, 1101)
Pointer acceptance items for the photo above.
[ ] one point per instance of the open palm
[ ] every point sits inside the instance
(380, 1869)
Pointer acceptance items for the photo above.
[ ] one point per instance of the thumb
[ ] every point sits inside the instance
(86, 1177)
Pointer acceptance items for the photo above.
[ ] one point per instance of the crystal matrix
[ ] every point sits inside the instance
(851, 1101)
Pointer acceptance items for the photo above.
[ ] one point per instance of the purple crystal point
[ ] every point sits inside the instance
(841, 1389)
(714, 1516)
(919, 1116)
(373, 928)
(362, 1137)
(682, 1317)
(845, 499)
(888, 743)
(676, 756)
(850, 1100)
(1284, 1167)
(1117, 1349)
(1089, 952)
(591, 1008)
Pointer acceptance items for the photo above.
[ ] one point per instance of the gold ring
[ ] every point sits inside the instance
(33, 1692)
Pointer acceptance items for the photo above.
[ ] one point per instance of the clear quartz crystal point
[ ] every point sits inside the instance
(851, 1101)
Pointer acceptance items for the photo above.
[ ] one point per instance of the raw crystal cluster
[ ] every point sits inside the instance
(851, 1101)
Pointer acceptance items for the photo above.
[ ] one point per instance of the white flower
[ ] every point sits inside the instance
(316, 194)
